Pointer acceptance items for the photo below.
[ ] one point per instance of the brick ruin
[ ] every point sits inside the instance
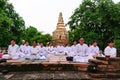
(60, 35)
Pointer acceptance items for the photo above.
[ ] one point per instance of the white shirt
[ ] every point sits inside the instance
(110, 51)
(93, 49)
(60, 49)
(50, 48)
(13, 49)
(73, 48)
(67, 49)
(42, 49)
(82, 49)
(34, 50)
(21, 48)
(27, 49)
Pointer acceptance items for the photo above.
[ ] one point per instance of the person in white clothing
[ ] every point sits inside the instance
(13, 50)
(60, 50)
(73, 48)
(51, 49)
(68, 50)
(22, 46)
(81, 51)
(21, 49)
(110, 49)
(27, 48)
(42, 49)
(34, 51)
(93, 50)
(82, 47)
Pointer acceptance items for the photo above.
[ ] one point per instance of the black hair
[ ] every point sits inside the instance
(13, 40)
(95, 41)
(35, 41)
(111, 41)
(26, 41)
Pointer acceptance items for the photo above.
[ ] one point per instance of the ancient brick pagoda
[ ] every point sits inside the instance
(60, 35)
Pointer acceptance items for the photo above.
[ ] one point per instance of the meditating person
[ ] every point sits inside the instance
(21, 49)
(82, 48)
(110, 50)
(73, 48)
(93, 50)
(46, 48)
(22, 46)
(68, 50)
(34, 51)
(27, 48)
(51, 49)
(13, 51)
(42, 49)
(60, 50)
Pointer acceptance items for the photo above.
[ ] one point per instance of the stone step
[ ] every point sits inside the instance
(43, 66)
(112, 58)
(100, 62)
(105, 75)
(47, 75)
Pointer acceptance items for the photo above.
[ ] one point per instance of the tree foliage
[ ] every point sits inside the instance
(13, 26)
(31, 33)
(96, 19)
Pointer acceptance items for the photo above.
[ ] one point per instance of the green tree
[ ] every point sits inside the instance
(96, 19)
(31, 33)
(11, 24)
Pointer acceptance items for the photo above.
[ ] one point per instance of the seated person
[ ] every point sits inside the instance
(68, 50)
(93, 49)
(81, 54)
(26, 50)
(22, 46)
(42, 50)
(13, 50)
(34, 51)
(60, 50)
(73, 48)
(82, 48)
(51, 49)
(110, 50)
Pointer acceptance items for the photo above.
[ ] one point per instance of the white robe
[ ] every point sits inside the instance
(81, 55)
(74, 49)
(13, 52)
(68, 50)
(51, 50)
(26, 52)
(34, 53)
(42, 51)
(22, 48)
(110, 51)
(93, 50)
(82, 49)
(60, 50)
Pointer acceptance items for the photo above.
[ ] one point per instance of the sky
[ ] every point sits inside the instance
(43, 14)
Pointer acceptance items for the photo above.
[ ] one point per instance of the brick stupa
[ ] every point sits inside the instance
(60, 35)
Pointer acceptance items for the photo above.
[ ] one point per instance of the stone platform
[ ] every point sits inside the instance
(57, 68)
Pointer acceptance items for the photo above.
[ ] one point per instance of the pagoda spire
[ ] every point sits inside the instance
(60, 23)
(60, 19)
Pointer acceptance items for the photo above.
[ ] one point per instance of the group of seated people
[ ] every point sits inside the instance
(80, 52)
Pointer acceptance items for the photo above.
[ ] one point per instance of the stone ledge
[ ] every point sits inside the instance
(94, 61)
(105, 75)
(61, 75)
